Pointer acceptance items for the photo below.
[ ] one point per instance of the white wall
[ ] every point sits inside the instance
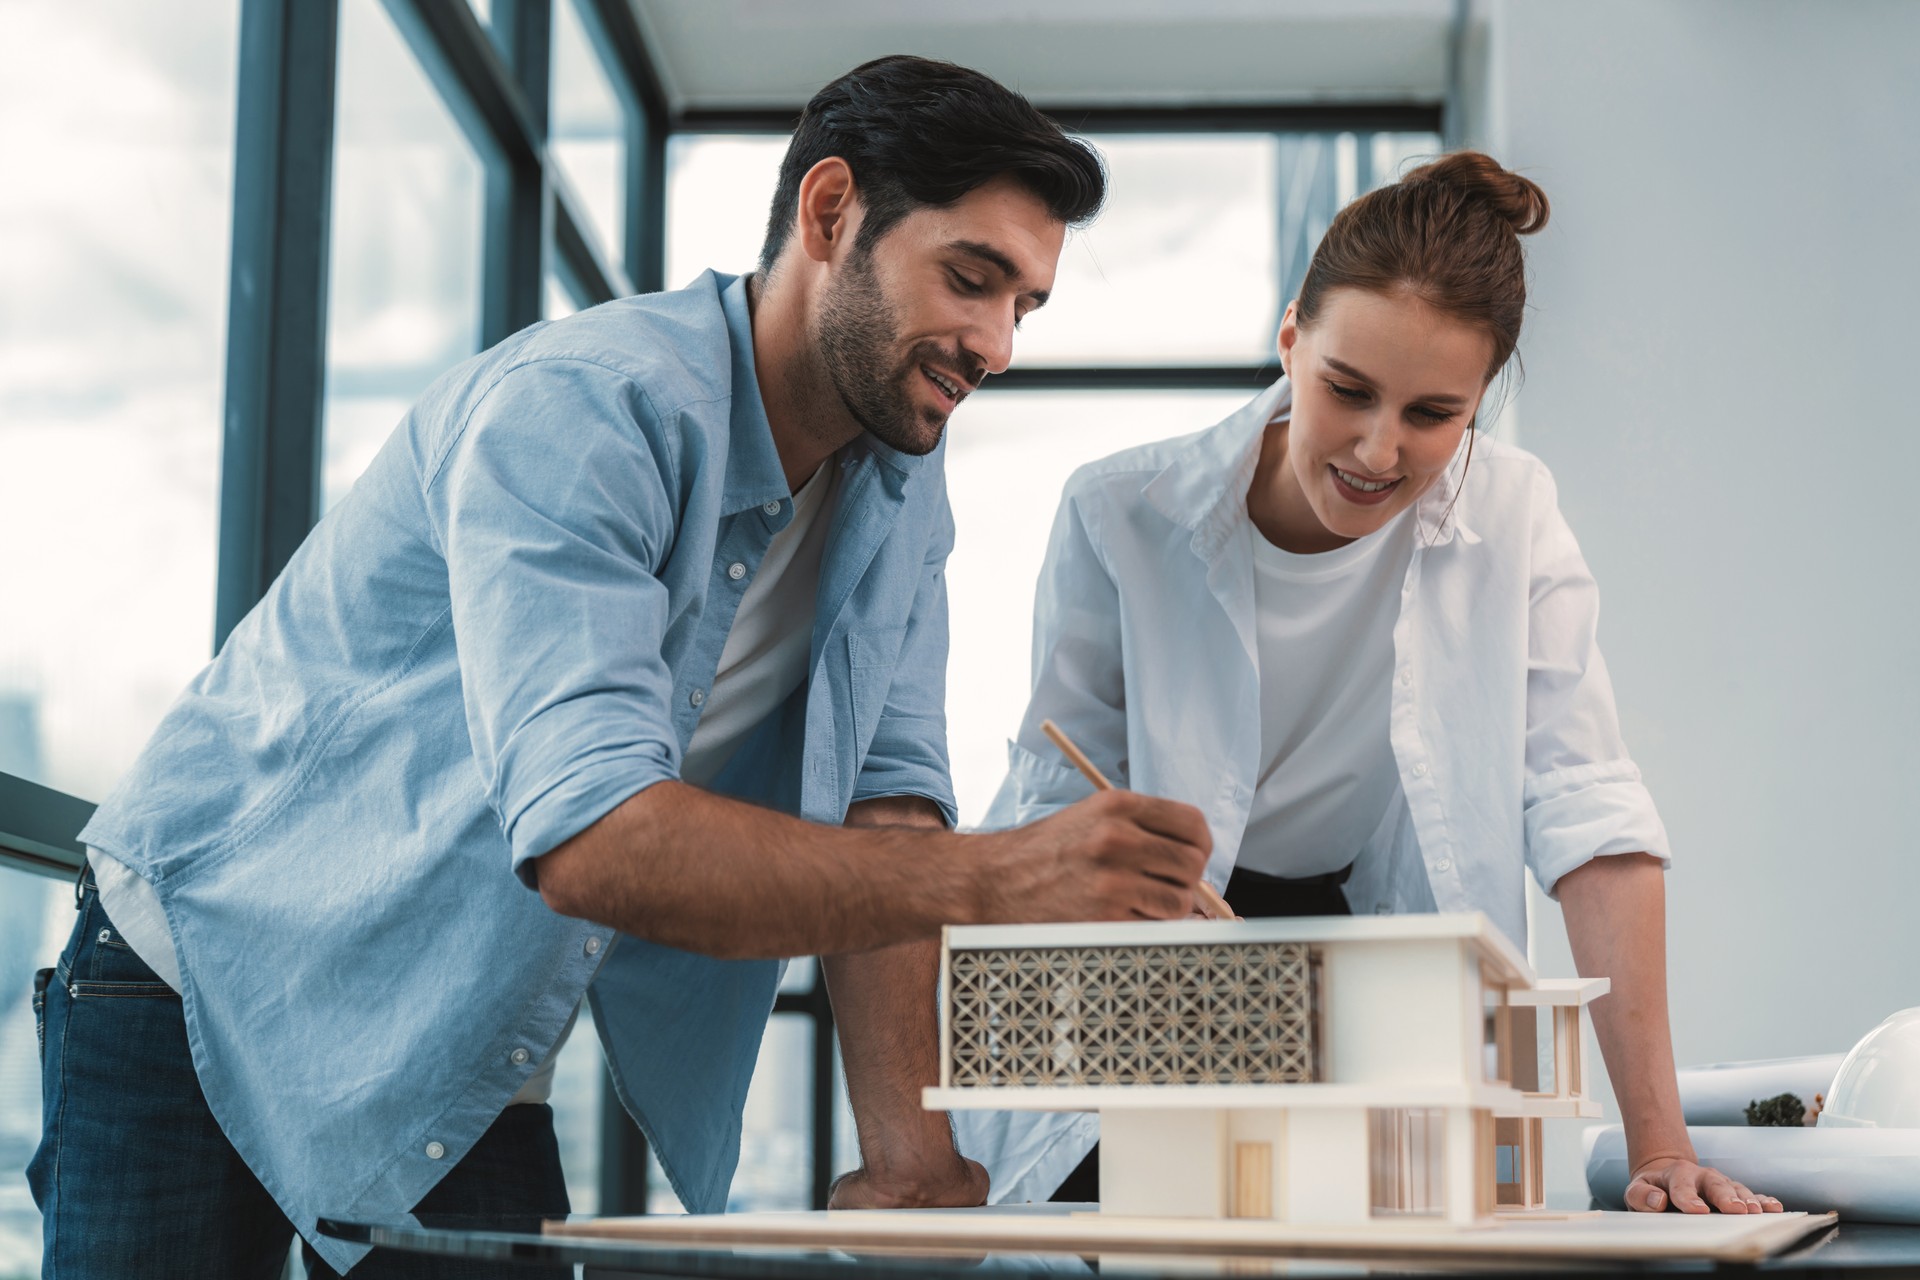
(1719, 370)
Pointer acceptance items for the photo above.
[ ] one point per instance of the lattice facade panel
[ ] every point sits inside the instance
(1086, 1016)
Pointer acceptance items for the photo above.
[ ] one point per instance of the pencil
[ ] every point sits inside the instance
(1210, 900)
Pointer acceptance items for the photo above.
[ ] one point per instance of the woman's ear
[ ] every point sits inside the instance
(1289, 335)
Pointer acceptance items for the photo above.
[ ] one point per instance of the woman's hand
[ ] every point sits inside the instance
(1691, 1188)
(1616, 916)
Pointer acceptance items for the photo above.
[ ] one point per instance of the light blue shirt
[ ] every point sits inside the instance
(506, 629)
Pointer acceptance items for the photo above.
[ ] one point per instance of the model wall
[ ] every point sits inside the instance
(1400, 1012)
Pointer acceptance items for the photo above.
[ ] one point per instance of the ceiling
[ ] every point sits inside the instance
(773, 54)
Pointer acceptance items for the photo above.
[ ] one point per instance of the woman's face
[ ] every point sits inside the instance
(1383, 388)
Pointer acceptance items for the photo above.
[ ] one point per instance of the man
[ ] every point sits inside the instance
(571, 696)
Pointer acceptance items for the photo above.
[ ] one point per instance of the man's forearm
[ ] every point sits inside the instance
(883, 1004)
(697, 871)
(681, 866)
(1615, 910)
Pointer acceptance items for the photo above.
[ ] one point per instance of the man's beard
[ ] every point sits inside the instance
(856, 335)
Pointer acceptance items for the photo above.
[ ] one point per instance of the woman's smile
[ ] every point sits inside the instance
(1357, 489)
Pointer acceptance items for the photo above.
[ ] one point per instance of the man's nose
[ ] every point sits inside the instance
(991, 342)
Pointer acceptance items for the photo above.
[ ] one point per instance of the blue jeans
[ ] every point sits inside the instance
(135, 1180)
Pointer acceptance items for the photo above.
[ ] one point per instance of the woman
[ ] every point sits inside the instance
(1363, 646)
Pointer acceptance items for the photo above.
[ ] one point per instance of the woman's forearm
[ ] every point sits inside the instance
(1616, 913)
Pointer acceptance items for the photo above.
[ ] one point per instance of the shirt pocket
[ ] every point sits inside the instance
(871, 656)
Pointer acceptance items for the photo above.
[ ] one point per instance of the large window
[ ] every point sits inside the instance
(113, 268)
(589, 127)
(403, 297)
(413, 180)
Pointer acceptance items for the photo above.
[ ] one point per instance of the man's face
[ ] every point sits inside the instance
(909, 326)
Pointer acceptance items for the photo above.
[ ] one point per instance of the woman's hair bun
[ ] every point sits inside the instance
(1519, 201)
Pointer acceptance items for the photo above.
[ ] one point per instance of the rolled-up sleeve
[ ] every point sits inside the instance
(1583, 796)
(908, 754)
(552, 510)
(1078, 678)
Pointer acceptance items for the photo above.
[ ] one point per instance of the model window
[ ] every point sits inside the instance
(1408, 1150)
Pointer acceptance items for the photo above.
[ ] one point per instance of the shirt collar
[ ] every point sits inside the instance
(754, 475)
(1204, 489)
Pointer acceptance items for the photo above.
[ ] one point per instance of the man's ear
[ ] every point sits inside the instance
(829, 210)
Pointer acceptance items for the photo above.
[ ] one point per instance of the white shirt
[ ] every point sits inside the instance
(764, 660)
(1500, 713)
(1325, 628)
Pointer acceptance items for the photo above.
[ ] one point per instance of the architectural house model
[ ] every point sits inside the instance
(1315, 1071)
(1369, 1087)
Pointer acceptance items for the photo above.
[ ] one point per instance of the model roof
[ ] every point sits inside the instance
(1470, 926)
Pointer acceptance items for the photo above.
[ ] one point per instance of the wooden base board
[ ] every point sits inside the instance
(1060, 1229)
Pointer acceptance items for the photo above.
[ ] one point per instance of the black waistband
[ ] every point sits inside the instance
(1326, 880)
(1256, 895)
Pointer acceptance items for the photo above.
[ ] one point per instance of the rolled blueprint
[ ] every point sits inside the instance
(1719, 1094)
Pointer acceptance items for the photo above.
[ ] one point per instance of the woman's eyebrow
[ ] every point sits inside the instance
(1436, 397)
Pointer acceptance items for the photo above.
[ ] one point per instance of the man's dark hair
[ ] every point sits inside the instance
(917, 132)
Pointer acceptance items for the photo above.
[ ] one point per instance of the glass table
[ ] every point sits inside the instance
(518, 1249)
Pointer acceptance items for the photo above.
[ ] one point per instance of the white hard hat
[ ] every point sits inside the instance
(1878, 1084)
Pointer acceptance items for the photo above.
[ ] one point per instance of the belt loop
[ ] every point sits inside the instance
(78, 881)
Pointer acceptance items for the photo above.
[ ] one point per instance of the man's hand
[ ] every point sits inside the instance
(685, 868)
(1116, 855)
(1692, 1188)
(959, 1183)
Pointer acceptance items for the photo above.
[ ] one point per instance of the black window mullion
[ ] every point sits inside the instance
(472, 75)
(1224, 377)
(615, 30)
(1383, 117)
(585, 271)
(646, 179)
(512, 274)
(824, 1066)
(277, 299)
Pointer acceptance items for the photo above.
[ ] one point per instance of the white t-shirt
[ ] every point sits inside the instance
(763, 661)
(1325, 625)
(765, 657)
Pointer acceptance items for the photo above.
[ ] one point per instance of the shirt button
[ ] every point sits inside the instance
(1406, 677)
(1420, 770)
(772, 508)
(593, 946)
(697, 697)
(1445, 864)
(736, 571)
(435, 1151)
(519, 1057)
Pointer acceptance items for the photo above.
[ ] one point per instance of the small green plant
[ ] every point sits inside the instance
(1783, 1112)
